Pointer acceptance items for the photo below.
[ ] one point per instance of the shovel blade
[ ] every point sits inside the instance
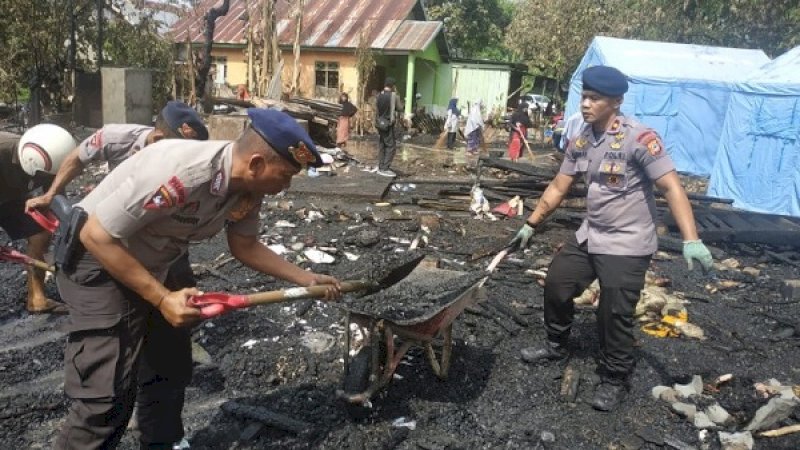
(396, 273)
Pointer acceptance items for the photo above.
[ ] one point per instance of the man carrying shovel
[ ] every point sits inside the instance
(621, 160)
(141, 218)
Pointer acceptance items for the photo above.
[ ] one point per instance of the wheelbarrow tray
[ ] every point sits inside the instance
(375, 364)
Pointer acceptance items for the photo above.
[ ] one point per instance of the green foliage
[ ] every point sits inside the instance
(141, 46)
(35, 36)
(552, 35)
(474, 28)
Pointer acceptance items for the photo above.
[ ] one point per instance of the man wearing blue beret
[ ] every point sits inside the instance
(620, 160)
(141, 218)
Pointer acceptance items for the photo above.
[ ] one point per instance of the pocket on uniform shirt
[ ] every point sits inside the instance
(582, 165)
(612, 175)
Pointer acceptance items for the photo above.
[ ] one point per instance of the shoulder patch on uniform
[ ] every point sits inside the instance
(167, 195)
(651, 141)
(97, 139)
(241, 208)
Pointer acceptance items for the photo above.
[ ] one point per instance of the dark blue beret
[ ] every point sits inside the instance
(178, 113)
(285, 136)
(605, 80)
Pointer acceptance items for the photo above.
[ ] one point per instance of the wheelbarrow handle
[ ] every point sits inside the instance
(47, 220)
(213, 304)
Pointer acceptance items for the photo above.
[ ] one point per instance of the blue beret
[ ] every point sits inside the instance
(285, 136)
(605, 80)
(178, 113)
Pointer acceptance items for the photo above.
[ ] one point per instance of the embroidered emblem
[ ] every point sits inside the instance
(651, 141)
(97, 139)
(217, 182)
(611, 167)
(302, 154)
(613, 180)
(615, 126)
(167, 195)
(615, 145)
(654, 147)
(580, 143)
(161, 199)
(240, 209)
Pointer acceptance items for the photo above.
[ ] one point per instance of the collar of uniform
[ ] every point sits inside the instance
(616, 126)
(221, 171)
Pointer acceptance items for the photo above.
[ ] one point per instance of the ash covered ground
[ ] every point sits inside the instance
(288, 358)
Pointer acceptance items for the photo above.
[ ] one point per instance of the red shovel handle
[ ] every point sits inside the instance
(213, 304)
(47, 220)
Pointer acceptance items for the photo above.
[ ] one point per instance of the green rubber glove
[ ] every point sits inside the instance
(522, 238)
(696, 250)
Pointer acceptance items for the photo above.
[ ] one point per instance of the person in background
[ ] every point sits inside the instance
(388, 104)
(474, 127)
(621, 161)
(520, 122)
(451, 123)
(343, 126)
(28, 163)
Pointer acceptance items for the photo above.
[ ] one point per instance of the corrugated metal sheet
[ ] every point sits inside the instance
(326, 24)
(413, 35)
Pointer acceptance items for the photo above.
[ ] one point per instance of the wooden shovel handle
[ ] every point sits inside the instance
(300, 293)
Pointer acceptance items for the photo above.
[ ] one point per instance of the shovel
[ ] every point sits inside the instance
(215, 303)
(11, 255)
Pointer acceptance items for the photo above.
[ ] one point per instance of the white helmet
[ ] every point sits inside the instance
(43, 148)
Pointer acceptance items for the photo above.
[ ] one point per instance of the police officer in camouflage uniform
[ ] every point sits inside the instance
(142, 217)
(621, 160)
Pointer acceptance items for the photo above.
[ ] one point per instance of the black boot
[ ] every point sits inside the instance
(609, 394)
(551, 351)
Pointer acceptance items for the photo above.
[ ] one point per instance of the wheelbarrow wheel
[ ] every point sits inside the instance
(356, 380)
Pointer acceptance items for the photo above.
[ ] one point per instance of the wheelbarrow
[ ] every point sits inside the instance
(387, 342)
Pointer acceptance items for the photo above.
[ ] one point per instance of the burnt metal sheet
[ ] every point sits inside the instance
(413, 35)
(326, 24)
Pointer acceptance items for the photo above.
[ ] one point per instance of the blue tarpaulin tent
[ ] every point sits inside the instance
(758, 161)
(680, 90)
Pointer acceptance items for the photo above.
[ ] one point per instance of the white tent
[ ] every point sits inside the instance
(680, 90)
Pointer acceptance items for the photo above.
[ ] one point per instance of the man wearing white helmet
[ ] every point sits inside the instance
(28, 163)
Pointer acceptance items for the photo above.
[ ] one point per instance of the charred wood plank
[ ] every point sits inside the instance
(267, 417)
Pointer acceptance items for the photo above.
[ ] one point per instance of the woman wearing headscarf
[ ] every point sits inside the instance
(520, 122)
(474, 127)
(451, 124)
(343, 126)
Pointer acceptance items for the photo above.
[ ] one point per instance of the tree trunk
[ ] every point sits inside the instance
(208, 34)
(298, 29)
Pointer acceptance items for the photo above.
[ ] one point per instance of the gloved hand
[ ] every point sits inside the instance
(522, 238)
(696, 250)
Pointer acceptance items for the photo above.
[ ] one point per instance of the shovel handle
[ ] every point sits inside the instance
(9, 254)
(212, 304)
(299, 293)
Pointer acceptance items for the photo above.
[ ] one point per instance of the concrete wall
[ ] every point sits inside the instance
(127, 95)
